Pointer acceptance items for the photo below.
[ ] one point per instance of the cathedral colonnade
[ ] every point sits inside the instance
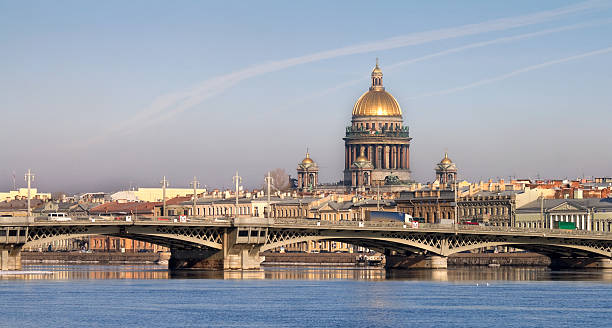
(382, 156)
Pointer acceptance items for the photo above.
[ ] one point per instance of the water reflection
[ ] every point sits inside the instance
(478, 273)
(82, 272)
(461, 274)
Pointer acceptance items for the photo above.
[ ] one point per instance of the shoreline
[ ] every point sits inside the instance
(280, 259)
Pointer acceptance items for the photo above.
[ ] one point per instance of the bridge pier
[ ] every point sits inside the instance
(415, 262)
(243, 258)
(236, 258)
(10, 257)
(241, 251)
(580, 263)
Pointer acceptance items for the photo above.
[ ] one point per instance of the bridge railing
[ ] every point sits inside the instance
(325, 223)
(438, 227)
(124, 218)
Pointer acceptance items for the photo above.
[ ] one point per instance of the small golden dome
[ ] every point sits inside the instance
(446, 160)
(307, 160)
(362, 157)
(377, 69)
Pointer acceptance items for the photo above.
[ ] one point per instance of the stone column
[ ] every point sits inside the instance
(399, 156)
(376, 157)
(346, 157)
(386, 158)
(588, 224)
(551, 222)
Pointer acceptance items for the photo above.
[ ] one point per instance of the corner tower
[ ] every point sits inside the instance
(308, 174)
(446, 172)
(377, 131)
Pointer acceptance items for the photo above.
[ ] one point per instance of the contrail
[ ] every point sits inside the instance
(451, 51)
(515, 72)
(174, 103)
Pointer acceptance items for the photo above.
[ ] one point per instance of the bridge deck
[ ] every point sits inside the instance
(311, 224)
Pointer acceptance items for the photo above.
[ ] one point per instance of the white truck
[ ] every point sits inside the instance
(58, 217)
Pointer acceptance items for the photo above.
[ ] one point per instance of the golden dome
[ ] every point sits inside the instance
(307, 160)
(446, 160)
(377, 101)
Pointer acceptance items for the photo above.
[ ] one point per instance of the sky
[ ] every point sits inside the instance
(104, 95)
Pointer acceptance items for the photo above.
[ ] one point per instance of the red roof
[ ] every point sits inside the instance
(178, 200)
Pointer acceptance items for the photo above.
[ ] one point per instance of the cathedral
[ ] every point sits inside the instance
(376, 144)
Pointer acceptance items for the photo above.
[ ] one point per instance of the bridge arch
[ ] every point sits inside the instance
(168, 236)
(548, 249)
(376, 243)
(442, 244)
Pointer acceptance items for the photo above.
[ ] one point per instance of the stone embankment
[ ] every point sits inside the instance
(502, 259)
(282, 259)
(305, 259)
(464, 259)
(94, 258)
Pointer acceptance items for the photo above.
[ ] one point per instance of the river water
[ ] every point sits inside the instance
(150, 296)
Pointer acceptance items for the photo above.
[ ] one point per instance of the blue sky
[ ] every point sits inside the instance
(101, 95)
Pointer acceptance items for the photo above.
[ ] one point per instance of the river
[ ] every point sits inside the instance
(150, 296)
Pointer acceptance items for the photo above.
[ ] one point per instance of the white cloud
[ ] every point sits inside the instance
(514, 73)
(171, 104)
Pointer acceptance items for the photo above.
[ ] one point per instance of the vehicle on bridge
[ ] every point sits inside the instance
(388, 216)
(58, 217)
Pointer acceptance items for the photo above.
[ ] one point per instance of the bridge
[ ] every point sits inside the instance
(237, 243)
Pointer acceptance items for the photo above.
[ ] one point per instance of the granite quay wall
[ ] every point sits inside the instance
(505, 259)
(93, 258)
(285, 259)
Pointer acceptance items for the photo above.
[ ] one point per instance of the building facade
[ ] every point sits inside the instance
(587, 214)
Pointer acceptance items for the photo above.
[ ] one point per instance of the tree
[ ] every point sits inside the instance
(280, 180)
(58, 196)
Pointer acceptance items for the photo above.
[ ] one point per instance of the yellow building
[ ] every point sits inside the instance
(156, 194)
(22, 193)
